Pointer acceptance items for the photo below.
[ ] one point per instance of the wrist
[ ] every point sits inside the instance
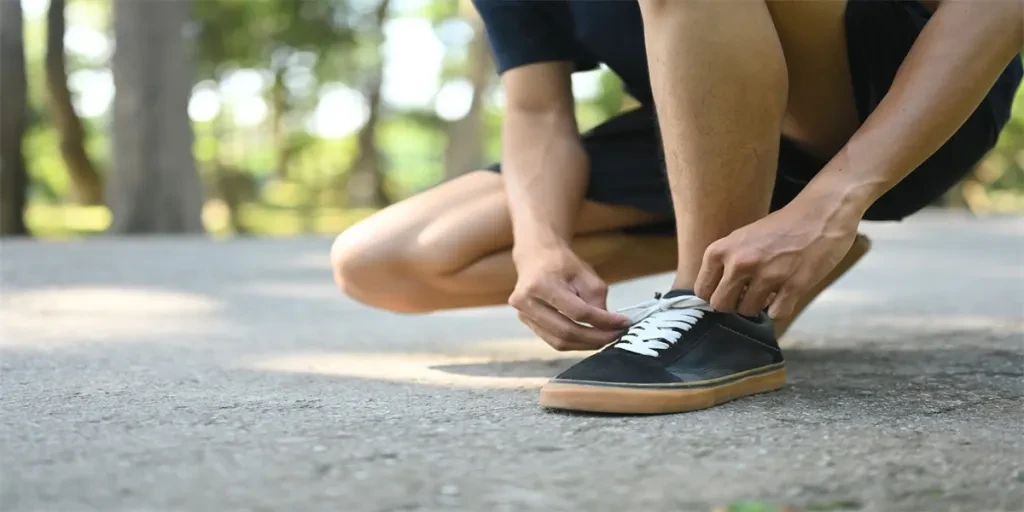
(836, 200)
(850, 183)
(528, 243)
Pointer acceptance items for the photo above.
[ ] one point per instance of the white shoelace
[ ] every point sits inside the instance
(659, 323)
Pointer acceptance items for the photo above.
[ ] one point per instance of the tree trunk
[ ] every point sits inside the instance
(366, 176)
(86, 185)
(154, 187)
(282, 141)
(465, 150)
(13, 112)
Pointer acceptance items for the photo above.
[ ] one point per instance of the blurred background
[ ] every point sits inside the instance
(249, 117)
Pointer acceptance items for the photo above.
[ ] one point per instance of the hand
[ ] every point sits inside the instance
(777, 259)
(556, 293)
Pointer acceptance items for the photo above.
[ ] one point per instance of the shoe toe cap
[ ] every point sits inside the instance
(616, 366)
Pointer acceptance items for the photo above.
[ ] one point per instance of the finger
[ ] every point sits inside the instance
(710, 274)
(557, 341)
(592, 290)
(557, 324)
(551, 339)
(757, 294)
(785, 302)
(730, 288)
(574, 307)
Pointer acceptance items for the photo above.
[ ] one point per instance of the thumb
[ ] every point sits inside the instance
(591, 289)
(594, 291)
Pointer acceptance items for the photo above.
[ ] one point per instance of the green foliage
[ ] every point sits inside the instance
(415, 155)
(240, 34)
(300, 49)
(1004, 169)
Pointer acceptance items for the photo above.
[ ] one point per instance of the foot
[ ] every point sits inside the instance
(861, 246)
(680, 355)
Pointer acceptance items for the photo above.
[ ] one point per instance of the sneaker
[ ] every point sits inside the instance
(680, 355)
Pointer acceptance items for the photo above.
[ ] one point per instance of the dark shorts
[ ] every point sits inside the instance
(626, 161)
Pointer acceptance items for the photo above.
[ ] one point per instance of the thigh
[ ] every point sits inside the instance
(456, 223)
(821, 113)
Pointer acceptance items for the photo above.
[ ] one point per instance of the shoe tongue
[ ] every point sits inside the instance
(677, 293)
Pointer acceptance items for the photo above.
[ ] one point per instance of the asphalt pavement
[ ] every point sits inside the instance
(191, 374)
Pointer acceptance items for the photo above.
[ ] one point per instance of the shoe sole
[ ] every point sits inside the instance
(861, 246)
(583, 397)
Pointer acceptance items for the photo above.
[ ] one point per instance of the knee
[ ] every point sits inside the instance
(377, 274)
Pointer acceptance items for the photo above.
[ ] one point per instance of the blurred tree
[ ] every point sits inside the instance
(366, 175)
(465, 150)
(286, 37)
(86, 185)
(154, 187)
(13, 112)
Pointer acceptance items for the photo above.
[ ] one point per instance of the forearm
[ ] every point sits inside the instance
(946, 75)
(546, 173)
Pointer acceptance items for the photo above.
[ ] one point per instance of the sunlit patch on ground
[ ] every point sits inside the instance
(109, 300)
(503, 364)
(83, 314)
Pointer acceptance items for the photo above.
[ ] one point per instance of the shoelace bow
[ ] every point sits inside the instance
(659, 323)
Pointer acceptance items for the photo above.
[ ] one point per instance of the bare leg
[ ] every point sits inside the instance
(450, 247)
(724, 94)
(821, 114)
(385, 263)
(719, 81)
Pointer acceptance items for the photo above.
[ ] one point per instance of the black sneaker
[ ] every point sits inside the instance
(680, 355)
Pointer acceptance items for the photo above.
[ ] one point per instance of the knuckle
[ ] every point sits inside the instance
(532, 288)
(797, 283)
(773, 277)
(558, 332)
(715, 251)
(746, 261)
(560, 345)
(564, 333)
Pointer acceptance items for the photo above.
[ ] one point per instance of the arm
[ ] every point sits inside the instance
(948, 72)
(546, 172)
(543, 161)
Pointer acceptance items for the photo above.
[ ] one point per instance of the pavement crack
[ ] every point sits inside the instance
(965, 405)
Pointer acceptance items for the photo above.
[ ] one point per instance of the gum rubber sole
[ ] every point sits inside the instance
(584, 397)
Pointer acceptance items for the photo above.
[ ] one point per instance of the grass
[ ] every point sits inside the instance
(757, 506)
(754, 506)
(70, 221)
(281, 213)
